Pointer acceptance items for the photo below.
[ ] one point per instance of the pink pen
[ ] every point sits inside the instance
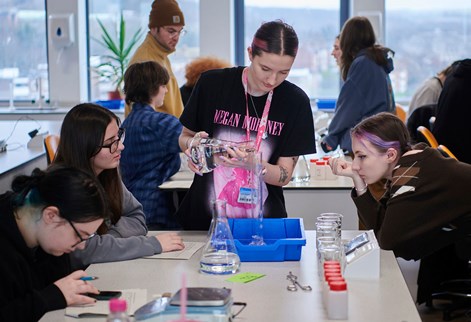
(183, 300)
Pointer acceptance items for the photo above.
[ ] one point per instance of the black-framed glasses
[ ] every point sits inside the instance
(78, 234)
(113, 146)
(174, 32)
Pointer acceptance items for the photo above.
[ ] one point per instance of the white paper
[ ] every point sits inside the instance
(134, 297)
(186, 253)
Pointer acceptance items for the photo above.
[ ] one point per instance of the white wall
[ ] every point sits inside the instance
(216, 29)
(374, 11)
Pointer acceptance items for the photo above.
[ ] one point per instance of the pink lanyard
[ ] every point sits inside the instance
(266, 110)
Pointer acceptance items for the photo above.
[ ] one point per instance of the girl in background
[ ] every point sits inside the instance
(367, 90)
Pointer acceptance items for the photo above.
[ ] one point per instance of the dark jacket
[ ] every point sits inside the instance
(367, 91)
(27, 291)
(452, 126)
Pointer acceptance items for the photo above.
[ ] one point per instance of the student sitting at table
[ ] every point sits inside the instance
(91, 140)
(425, 211)
(46, 216)
(426, 204)
(152, 154)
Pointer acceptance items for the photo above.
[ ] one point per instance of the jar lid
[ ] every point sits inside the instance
(331, 279)
(338, 286)
(335, 263)
(330, 274)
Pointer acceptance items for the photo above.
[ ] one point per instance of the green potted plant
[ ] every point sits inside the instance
(115, 62)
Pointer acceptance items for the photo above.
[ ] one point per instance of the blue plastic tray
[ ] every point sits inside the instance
(111, 104)
(326, 104)
(284, 238)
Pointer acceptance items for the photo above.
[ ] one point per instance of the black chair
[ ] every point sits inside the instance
(420, 117)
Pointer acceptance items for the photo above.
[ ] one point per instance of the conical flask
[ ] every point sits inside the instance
(219, 254)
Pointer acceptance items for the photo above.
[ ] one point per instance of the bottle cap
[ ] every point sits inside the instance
(327, 275)
(331, 263)
(338, 286)
(330, 269)
(118, 305)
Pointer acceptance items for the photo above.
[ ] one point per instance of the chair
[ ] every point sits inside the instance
(421, 116)
(446, 152)
(427, 136)
(401, 113)
(51, 142)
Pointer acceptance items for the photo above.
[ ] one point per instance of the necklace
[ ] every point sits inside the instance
(264, 135)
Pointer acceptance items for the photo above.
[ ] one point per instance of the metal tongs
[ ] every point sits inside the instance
(293, 287)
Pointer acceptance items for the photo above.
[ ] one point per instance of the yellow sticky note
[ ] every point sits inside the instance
(245, 277)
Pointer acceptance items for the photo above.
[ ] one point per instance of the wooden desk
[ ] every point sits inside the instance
(386, 299)
(306, 200)
(19, 159)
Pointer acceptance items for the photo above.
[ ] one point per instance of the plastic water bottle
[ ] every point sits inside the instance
(118, 312)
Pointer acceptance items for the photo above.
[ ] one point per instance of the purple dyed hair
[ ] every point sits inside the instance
(383, 131)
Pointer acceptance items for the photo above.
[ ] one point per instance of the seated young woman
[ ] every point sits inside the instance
(425, 207)
(91, 140)
(46, 216)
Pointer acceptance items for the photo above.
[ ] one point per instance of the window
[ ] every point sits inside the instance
(317, 23)
(427, 36)
(22, 73)
(136, 15)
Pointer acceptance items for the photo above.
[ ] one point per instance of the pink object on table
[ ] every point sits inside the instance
(183, 300)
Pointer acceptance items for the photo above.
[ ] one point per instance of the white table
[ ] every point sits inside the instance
(386, 299)
(19, 159)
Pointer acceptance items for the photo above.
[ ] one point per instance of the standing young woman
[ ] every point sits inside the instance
(91, 140)
(46, 216)
(367, 89)
(249, 103)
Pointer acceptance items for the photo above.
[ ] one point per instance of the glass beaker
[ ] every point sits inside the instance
(256, 182)
(205, 152)
(219, 254)
(301, 171)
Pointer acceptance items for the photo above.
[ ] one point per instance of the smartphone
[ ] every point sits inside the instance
(105, 295)
(204, 296)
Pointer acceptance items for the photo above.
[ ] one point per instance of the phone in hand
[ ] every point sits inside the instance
(105, 295)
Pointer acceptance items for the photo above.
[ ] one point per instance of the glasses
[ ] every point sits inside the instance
(174, 33)
(78, 234)
(113, 146)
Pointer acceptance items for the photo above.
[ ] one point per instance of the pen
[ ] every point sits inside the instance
(88, 278)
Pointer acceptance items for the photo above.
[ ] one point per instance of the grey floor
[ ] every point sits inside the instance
(409, 271)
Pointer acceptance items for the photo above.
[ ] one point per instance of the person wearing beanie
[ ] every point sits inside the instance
(166, 22)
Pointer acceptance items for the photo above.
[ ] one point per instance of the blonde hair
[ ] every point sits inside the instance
(194, 69)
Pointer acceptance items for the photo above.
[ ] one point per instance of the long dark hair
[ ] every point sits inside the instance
(384, 130)
(82, 134)
(275, 37)
(142, 81)
(358, 34)
(78, 195)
